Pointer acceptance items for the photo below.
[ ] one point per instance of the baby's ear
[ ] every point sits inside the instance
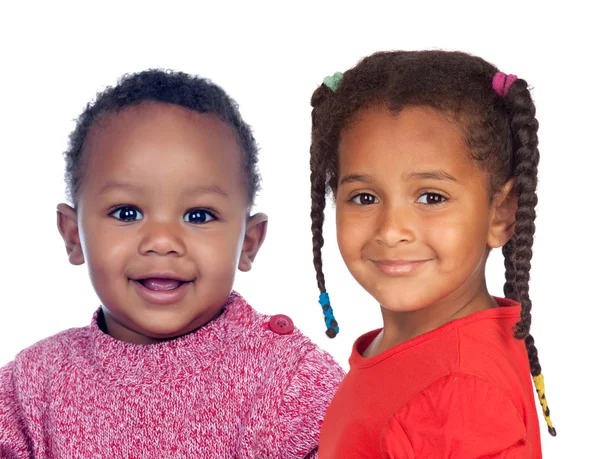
(66, 220)
(256, 231)
(503, 219)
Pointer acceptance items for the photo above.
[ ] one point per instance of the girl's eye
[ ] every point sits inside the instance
(127, 214)
(364, 199)
(431, 198)
(198, 216)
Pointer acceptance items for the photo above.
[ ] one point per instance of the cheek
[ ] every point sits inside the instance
(351, 234)
(459, 241)
(107, 254)
(106, 249)
(218, 252)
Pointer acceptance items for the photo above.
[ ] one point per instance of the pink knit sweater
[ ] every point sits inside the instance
(232, 389)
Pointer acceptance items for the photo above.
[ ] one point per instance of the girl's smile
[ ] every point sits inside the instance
(398, 267)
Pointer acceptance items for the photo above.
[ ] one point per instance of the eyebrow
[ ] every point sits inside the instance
(195, 190)
(114, 185)
(207, 189)
(351, 178)
(428, 175)
(431, 175)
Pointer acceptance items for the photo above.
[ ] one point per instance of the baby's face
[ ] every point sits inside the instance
(162, 219)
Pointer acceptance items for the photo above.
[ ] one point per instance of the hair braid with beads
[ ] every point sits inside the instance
(500, 130)
(318, 180)
(524, 128)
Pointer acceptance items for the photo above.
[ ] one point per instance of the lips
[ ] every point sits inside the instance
(398, 267)
(162, 289)
(158, 284)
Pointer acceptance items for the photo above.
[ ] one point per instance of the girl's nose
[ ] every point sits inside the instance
(396, 225)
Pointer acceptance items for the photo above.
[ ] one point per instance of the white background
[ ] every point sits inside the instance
(55, 56)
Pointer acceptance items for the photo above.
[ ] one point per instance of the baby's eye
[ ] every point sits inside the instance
(198, 216)
(127, 214)
(364, 199)
(431, 198)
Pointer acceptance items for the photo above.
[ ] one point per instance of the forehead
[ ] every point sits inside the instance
(413, 138)
(162, 145)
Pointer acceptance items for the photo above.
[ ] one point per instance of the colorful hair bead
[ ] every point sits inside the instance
(332, 325)
(333, 82)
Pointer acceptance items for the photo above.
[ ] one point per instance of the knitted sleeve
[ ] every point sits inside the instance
(292, 427)
(458, 416)
(13, 436)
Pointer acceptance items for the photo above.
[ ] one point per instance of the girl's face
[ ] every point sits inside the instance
(414, 217)
(161, 219)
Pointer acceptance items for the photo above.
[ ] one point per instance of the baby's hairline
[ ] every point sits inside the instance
(249, 173)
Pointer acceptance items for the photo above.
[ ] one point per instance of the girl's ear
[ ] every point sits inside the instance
(256, 230)
(66, 220)
(503, 217)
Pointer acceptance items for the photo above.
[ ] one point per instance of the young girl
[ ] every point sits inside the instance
(432, 159)
(161, 171)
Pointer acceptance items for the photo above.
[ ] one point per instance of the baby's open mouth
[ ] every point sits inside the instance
(161, 284)
(162, 289)
(158, 284)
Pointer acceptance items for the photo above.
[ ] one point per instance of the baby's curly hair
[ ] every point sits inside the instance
(177, 88)
(500, 131)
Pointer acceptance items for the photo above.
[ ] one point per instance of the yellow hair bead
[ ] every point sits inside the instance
(538, 382)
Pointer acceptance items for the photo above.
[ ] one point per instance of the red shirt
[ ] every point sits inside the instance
(460, 391)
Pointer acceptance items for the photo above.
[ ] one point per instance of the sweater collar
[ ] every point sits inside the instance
(127, 363)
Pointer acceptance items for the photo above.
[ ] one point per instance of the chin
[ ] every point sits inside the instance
(402, 300)
(404, 305)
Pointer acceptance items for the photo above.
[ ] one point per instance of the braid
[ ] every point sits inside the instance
(524, 127)
(518, 251)
(317, 216)
(509, 289)
(318, 185)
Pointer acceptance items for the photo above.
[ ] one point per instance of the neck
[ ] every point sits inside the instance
(399, 326)
(113, 327)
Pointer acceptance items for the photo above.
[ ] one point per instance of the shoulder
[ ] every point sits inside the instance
(51, 352)
(275, 340)
(459, 415)
(270, 334)
(488, 349)
(295, 381)
(458, 391)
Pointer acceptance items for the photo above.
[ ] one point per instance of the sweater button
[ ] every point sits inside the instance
(281, 324)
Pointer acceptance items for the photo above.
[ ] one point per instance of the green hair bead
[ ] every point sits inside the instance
(333, 82)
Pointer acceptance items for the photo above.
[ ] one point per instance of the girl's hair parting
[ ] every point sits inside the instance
(176, 88)
(499, 126)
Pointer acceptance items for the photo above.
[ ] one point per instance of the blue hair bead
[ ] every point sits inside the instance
(324, 299)
(330, 322)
